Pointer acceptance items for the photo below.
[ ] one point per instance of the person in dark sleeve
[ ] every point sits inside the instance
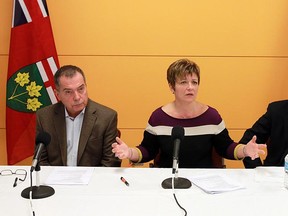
(271, 128)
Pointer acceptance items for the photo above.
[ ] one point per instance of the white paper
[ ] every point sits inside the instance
(269, 174)
(70, 176)
(215, 183)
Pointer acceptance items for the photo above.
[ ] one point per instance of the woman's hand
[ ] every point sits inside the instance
(120, 149)
(252, 149)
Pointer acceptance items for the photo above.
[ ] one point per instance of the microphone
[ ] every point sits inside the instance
(177, 136)
(42, 140)
(38, 191)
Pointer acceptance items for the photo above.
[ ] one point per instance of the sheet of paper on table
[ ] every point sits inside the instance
(70, 176)
(213, 184)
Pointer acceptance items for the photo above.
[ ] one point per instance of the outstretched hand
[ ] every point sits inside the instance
(120, 149)
(252, 149)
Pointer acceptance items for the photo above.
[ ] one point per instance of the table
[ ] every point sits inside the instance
(106, 194)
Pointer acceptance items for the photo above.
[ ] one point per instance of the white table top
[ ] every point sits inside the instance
(107, 195)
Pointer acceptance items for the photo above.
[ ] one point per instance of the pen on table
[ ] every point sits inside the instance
(15, 182)
(124, 180)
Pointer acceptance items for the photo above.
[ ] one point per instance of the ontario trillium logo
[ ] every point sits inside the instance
(25, 92)
(22, 80)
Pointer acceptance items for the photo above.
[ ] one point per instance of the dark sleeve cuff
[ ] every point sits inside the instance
(250, 164)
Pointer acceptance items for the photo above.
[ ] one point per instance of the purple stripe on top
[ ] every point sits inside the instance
(209, 117)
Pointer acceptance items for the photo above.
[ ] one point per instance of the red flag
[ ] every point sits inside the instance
(32, 63)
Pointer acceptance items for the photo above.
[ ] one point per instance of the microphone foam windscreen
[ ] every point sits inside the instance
(43, 137)
(178, 133)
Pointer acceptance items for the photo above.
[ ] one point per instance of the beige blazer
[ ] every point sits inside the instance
(99, 130)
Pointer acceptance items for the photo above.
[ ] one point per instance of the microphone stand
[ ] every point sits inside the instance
(179, 182)
(38, 191)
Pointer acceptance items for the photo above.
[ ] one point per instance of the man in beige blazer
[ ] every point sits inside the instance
(82, 131)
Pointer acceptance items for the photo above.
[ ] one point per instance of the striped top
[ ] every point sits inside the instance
(201, 134)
